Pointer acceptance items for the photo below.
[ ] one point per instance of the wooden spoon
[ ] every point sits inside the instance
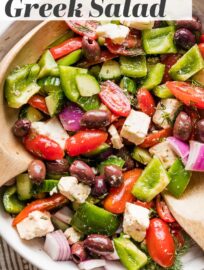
(14, 159)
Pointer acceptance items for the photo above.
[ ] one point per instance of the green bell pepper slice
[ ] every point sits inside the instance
(111, 160)
(135, 67)
(70, 59)
(21, 85)
(141, 155)
(48, 66)
(152, 181)
(68, 82)
(188, 65)
(154, 76)
(131, 257)
(12, 204)
(65, 36)
(90, 218)
(128, 84)
(89, 103)
(180, 178)
(159, 40)
(162, 91)
(46, 186)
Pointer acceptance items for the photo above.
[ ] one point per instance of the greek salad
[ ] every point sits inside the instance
(112, 114)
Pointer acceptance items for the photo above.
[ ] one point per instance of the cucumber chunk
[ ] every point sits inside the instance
(141, 155)
(89, 103)
(188, 65)
(30, 113)
(110, 71)
(87, 85)
(24, 187)
(162, 91)
(11, 203)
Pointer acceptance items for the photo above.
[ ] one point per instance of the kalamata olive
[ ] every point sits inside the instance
(78, 252)
(91, 48)
(96, 119)
(82, 172)
(37, 171)
(193, 25)
(182, 127)
(99, 188)
(21, 127)
(57, 167)
(184, 38)
(125, 155)
(200, 130)
(113, 175)
(98, 244)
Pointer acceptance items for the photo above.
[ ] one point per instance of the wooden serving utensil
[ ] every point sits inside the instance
(14, 159)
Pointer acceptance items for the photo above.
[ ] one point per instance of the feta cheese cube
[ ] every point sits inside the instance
(117, 33)
(136, 127)
(37, 224)
(136, 221)
(52, 129)
(165, 112)
(74, 191)
(72, 235)
(115, 137)
(139, 24)
(164, 152)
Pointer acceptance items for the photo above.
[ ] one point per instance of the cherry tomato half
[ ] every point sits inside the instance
(38, 102)
(163, 210)
(118, 197)
(202, 38)
(169, 61)
(187, 93)
(43, 147)
(85, 141)
(201, 48)
(114, 98)
(160, 243)
(84, 28)
(154, 138)
(146, 101)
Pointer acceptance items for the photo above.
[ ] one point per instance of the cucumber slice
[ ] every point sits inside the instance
(162, 91)
(134, 67)
(95, 70)
(30, 113)
(188, 65)
(45, 186)
(24, 187)
(87, 85)
(141, 155)
(154, 76)
(11, 203)
(110, 71)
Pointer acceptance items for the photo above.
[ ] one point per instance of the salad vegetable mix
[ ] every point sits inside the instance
(112, 114)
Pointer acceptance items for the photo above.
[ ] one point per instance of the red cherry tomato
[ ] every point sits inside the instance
(187, 93)
(160, 243)
(163, 210)
(154, 138)
(114, 98)
(169, 61)
(43, 147)
(85, 141)
(130, 47)
(202, 38)
(40, 205)
(118, 197)
(66, 47)
(105, 56)
(38, 102)
(84, 28)
(147, 205)
(146, 101)
(201, 48)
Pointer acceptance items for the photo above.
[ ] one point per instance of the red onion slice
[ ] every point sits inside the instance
(91, 264)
